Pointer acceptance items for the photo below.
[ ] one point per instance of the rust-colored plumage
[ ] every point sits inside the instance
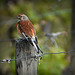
(25, 29)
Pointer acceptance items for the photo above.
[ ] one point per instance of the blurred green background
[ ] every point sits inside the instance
(48, 16)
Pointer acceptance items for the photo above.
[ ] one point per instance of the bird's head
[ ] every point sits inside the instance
(22, 17)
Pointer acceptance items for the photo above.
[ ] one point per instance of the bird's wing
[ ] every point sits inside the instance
(27, 28)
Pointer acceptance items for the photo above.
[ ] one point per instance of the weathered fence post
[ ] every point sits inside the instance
(25, 65)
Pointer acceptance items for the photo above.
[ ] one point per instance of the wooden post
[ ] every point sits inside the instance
(25, 65)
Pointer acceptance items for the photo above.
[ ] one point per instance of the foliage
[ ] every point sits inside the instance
(56, 12)
(52, 64)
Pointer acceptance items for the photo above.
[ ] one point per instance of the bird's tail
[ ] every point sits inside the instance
(39, 50)
(33, 43)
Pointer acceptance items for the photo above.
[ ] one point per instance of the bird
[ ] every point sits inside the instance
(26, 30)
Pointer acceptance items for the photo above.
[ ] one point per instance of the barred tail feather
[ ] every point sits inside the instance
(39, 49)
(35, 46)
(33, 42)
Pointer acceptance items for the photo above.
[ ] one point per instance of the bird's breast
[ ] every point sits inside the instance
(19, 31)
